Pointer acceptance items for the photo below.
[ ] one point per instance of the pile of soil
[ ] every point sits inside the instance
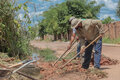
(105, 61)
(108, 61)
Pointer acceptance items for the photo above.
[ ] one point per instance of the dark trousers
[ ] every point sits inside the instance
(87, 56)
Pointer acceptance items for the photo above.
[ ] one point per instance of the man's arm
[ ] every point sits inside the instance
(101, 29)
(71, 41)
(82, 42)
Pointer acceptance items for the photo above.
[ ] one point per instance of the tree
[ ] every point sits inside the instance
(56, 18)
(107, 20)
(41, 28)
(83, 8)
(118, 9)
(12, 32)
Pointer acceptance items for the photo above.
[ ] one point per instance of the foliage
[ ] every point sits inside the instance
(33, 32)
(55, 20)
(12, 34)
(118, 9)
(42, 31)
(107, 20)
(83, 8)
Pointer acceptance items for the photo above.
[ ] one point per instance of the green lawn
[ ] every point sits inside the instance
(108, 40)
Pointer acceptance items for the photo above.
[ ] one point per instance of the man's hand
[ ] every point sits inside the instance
(71, 41)
(82, 50)
(77, 38)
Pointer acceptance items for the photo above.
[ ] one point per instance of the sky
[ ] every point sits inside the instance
(37, 7)
(108, 10)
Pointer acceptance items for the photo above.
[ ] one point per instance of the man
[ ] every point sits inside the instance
(87, 30)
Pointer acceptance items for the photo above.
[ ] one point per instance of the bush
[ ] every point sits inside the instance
(12, 34)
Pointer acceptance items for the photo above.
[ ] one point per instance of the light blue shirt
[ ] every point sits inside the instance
(74, 30)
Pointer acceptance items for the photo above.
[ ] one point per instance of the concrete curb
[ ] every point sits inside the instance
(106, 44)
(111, 45)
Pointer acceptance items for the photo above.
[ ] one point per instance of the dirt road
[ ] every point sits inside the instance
(112, 52)
(114, 70)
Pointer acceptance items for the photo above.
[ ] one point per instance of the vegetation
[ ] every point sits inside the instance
(33, 32)
(55, 20)
(118, 9)
(97, 72)
(108, 40)
(46, 54)
(107, 20)
(70, 55)
(13, 36)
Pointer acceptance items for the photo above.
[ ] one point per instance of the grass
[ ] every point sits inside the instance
(97, 72)
(46, 54)
(4, 56)
(108, 40)
(70, 55)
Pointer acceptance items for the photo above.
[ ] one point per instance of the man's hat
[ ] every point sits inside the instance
(75, 22)
(71, 18)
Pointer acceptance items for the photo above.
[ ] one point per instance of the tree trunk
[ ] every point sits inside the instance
(55, 37)
(69, 35)
(59, 36)
(63, 36)
(42, 37)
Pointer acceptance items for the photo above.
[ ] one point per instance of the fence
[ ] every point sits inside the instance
(114, 30)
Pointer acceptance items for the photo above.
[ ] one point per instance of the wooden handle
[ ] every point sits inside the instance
(71, 50)
(63, 54)
(17, 64)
